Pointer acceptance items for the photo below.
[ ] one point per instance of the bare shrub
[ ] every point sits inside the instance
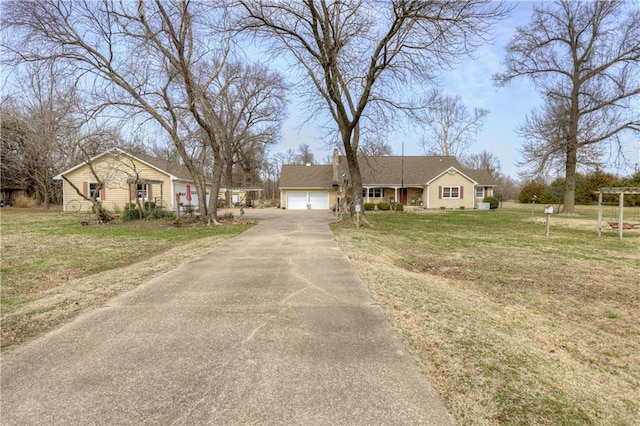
(24, 202)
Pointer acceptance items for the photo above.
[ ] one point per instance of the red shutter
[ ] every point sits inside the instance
(103, 193)
(461, 192)
(150, 189)
(440, 193)
(85, 188)
(132, 192)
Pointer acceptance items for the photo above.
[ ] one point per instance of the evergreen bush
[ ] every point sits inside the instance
(494, 203)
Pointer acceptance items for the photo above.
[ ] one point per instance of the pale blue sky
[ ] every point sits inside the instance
(471, 80)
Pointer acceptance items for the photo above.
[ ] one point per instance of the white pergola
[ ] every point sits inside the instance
(621, 191)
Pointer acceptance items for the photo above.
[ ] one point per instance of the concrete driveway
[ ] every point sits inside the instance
(272, 327)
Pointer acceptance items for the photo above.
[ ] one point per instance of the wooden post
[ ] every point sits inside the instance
(621, 214)
(534, 198)
(600, 214)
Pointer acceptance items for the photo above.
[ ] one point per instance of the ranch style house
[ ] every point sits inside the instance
(427, 182)
(128, 178)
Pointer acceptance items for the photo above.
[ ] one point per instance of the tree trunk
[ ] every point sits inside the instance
(355, 185)
(228, 178)
(212, 218)
(570, 179)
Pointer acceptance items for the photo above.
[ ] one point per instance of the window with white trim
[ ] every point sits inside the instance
(93, 187)
(479, 192)
(141, 191)
(372, 192)
(451, 192)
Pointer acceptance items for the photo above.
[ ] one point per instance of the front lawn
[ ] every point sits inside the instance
(510, 326)
(53, 267)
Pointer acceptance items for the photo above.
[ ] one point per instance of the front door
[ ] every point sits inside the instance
(403, 196)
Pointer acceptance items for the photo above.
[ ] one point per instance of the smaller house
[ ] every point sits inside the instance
(130, 178)
(429, 182)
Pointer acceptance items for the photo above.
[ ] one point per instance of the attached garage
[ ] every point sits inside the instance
(303, 200)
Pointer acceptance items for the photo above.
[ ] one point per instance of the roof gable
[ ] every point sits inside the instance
(173, 170)
(394, 170)
(451, 170)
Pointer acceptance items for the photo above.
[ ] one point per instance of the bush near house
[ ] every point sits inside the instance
(384, 206)
(150, 211)
(494, 203)
(369, 206)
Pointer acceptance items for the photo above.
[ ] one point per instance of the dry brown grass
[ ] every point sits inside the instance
(511, 327)
(24, 202)
(53, 268)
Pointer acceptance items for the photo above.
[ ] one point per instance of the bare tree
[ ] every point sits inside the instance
(305, 155)
(450, 126)
(156, 59)
(14, 135)
(483, 161)
(44, 117)
(251, 106)
(584, 58)
(357, 56)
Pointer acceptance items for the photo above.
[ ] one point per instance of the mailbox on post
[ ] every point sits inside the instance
(358, 209)
(549, 211)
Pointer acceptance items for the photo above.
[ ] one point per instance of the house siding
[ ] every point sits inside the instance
(115, 173)
(434, 192)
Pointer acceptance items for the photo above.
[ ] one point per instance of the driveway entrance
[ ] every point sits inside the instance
(272, 327)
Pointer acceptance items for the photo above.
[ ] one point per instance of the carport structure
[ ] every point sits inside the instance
(621, 192)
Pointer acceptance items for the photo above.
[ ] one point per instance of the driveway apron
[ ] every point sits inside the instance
(271, 327)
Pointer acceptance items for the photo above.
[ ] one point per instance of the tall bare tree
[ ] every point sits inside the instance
(359, 55)
(305, 155)
(153, 58)
(44, 115)
(450, 126)
(483, 161)
(251, 105)
(584, 57)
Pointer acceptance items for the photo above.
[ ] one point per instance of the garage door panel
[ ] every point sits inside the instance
(316, 200)
(319, 200)
(297, 200)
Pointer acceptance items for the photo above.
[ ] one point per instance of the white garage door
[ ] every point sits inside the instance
(301, 200)
(297, 200)
(319, 200)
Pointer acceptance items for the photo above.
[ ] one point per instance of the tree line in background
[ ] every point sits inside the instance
(586, 193)
(91, 75)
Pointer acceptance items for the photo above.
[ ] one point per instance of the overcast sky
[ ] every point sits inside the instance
(471, 80)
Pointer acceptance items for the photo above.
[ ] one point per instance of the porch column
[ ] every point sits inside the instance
(426, 197)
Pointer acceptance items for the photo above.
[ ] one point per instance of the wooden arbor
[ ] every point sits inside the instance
(133, 196)
(621, 191)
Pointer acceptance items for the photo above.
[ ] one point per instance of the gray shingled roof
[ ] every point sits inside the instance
(392, 170)
(178, 170)
(295, 176)
(379, 171)
(483, 177)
